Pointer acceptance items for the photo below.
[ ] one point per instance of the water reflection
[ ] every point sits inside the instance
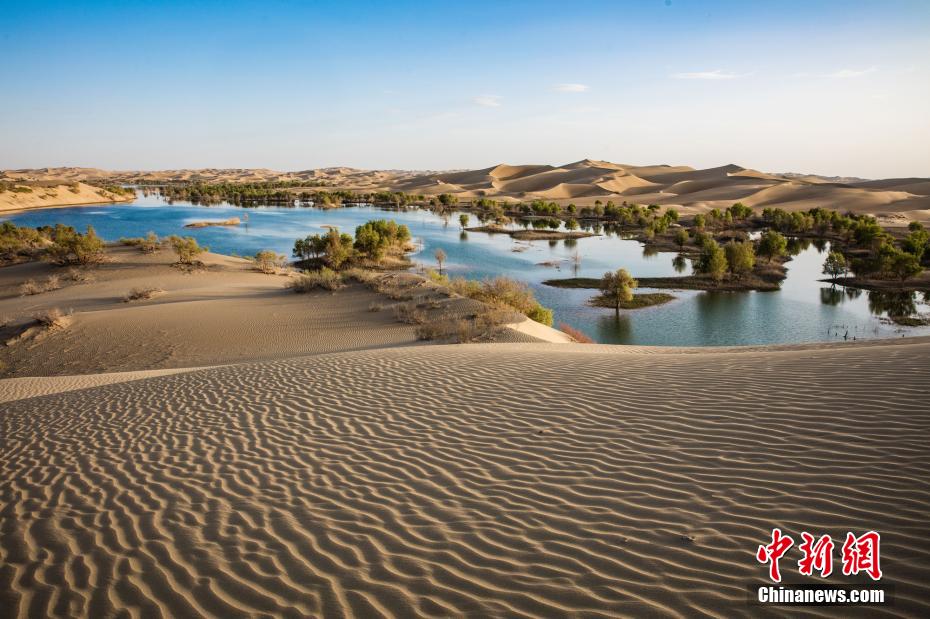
(894, 304)
(679, 263)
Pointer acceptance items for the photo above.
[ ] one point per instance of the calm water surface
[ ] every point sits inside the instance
(804, 310)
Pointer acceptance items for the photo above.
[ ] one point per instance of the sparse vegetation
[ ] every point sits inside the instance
(324, 279)
(32, 287)
(141, 294)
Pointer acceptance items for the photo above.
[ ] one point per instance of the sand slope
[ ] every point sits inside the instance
(479, 480)
(46, 195)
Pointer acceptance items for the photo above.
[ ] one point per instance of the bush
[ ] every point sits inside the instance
(308, 281)
(186, 248)
(69, 246)
(409, 313)
(150, 244)
(269, 262)
(31, 287)
(137, 294)
(53, 317)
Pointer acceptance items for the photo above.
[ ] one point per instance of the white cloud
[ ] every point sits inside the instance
(847, 73)
(571, 87)
(717, 74)
(487, 100)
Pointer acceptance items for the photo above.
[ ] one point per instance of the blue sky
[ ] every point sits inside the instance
(826, 87)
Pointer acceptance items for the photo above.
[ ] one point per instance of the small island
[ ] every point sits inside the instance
(232, 221)
(533, 235)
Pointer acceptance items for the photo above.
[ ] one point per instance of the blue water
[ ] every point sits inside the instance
(804, 310)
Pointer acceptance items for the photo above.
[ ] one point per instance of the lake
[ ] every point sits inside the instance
(804, 310)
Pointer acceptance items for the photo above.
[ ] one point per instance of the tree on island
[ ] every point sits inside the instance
(447, 199)
(617, 287)
(905, 265)
(440, 256)
(835, 264)
(772, 245)
(741, 258)
(713, 260)
(463, 220)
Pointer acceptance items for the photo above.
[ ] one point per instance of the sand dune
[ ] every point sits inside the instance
(583, 182)
(45, 195)
(463, 481)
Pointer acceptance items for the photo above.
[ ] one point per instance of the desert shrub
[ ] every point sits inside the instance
(308, 281)
(503, 291)
(31, 286)
(15, 240)
(575, 334)
(357, 275)
(53, 317)
(141, 294)
(409, 313)
(150, 244)
(78, 276)
(69, 246)
(186, 248)
(268, 261)
(375, 307)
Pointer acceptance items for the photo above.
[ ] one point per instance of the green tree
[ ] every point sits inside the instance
(617, 287)
(463, 220)
(700, 221)
(916, 241)
(712, 261)
(772, 245)
(740, 257)
(338, 248)
(835, 264)
(905, 265)
(681, 237)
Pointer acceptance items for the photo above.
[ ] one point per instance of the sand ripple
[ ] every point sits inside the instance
(484, 481)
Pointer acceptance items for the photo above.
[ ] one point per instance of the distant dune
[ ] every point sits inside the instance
(582, 182)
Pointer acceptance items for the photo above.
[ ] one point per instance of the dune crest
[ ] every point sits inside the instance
(583, 182)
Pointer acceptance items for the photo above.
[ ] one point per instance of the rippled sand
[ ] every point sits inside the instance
(500, 480)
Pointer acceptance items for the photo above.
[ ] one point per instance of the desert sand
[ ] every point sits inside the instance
(582, 182)
(228, 448)
(54, 193)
